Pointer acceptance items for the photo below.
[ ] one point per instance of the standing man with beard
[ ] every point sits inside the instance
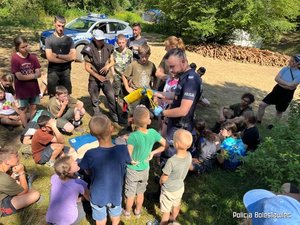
(136, 41)
(60, 52)
(98, 60)
(187, 94)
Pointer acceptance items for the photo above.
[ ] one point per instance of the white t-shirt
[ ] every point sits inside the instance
(6, 104)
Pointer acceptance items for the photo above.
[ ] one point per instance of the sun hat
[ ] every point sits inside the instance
(98, 35)
(266, 208)
(297, 58)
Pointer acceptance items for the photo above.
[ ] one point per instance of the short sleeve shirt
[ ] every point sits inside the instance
(6, 105)
(122, 60)
(39, 142)
(176, 169)
(103, 56)
(289, 74)
(59, 45)
(54, 106)
(107, 167)
(234, 149)
(63, 200)
(132, 42)
(142, 146)
(237, 111)
(8, 187)
(189, 88)
(139, 75)
(26, 66)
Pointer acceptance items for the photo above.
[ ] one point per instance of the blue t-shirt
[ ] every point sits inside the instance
(289, 74)
(107, 167)
(188, 87)
(234, 149)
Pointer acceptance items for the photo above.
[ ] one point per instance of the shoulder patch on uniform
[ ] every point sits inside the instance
(190, 77)
(88, 48)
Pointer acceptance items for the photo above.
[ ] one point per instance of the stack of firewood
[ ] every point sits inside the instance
(241, 54)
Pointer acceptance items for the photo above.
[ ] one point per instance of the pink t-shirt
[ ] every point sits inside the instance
(25, 88)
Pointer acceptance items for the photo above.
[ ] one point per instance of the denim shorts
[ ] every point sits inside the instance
(100, 213)
(47, 153)
(6, 207)
(28, 101)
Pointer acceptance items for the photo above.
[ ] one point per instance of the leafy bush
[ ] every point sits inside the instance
(277, 160)
(129, 17)
(21, 12)
(73, 13)
(53, 7)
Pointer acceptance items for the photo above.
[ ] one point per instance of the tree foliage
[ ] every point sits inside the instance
(216, 20)
(277, 160)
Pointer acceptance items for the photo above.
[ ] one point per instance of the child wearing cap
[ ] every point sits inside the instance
(282, 94)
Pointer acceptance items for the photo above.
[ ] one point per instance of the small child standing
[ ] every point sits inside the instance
(66, 108)
(106, 165)
(65, 206)
(174, 173)
(140, 144)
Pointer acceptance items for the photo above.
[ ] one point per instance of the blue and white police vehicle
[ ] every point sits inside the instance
(80, 29)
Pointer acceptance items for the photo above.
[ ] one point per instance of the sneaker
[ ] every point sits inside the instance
(30, 178)
(50, 163)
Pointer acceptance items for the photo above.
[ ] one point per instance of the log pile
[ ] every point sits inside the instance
(241, 54)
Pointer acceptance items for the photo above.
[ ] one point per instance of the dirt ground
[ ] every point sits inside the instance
(224, 81)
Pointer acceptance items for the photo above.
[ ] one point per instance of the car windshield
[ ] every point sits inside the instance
(80, 24)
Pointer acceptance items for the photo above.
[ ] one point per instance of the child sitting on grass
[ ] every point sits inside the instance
(106, 165)
(66, 108)
(8, 110)
(172, 179)
(7, 83)
(65, 205)
(140, 144)
(47, 142)
(206, 145)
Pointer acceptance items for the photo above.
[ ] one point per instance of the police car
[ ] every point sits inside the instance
(80, 29)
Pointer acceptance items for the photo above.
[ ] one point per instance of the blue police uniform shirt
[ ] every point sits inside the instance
(188, 87)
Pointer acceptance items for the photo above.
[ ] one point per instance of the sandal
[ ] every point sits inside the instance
(126, 214)
(137, 214)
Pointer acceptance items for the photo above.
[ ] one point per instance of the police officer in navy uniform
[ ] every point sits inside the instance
(186, 97)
